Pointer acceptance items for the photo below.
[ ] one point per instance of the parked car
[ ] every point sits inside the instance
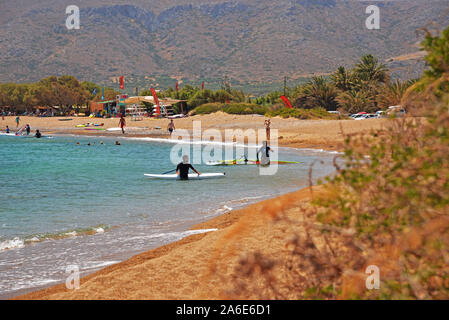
(396, 110)
(380, 114)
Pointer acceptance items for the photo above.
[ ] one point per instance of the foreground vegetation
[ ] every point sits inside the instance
(387, 207)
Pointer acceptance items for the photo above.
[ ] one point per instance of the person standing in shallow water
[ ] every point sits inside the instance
(122, 124)
(182, 170)
(28, 129)
(171, 127)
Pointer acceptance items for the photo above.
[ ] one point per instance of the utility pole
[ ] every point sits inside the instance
(285, 85)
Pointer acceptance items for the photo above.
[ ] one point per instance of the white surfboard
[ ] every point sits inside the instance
(192, 176)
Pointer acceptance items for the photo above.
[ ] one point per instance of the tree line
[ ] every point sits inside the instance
(64, 91)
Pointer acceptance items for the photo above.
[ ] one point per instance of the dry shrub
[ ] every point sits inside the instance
(387, 205)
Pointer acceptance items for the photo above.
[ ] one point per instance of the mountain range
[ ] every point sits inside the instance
(154, 42)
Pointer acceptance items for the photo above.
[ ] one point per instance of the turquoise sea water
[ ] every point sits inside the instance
(66, 204)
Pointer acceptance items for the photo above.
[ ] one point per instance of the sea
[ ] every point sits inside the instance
(65, 203)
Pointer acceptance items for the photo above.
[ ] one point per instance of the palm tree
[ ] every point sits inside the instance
(370, 70)
(392, 93)
(356, 101)
(317, 93)
(343, 79)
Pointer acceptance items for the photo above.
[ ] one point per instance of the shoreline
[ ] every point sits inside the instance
(226, 224)
(293, 133)
(221, 222)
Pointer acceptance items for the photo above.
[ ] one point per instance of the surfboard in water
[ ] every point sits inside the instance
(241, 162)
(192, 176)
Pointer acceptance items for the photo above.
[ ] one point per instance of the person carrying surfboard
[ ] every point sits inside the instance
(265, 154)
(182, 170)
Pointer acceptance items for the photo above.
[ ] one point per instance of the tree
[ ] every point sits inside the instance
(343, 79)
(356, 101)
(317, 93)
(370, 70)
(392, 93)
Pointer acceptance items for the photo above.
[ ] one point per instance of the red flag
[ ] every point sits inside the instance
(286, 102)
(122, 85)
(202, 85)
(176, 85)
(156, 101)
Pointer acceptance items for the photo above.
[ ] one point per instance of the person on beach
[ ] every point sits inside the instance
(17, 121)
(182, 170)
(3, 115)
(28, 129)
(7, 129)
(265, 154)
(171, 127)
(38, 134)
(267, 125)
(122, 124)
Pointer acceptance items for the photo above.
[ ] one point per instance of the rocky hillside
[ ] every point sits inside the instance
(247, 40)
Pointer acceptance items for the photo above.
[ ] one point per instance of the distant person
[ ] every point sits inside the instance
(117, 143)
(38, 134)
(171, 127)
(28, 129)
(7, 129)
(267, 125)
(77, 143)
(3, 115)
(122, 124)
(88, 143)
(265, 154)
(17, 121)
(182, 170)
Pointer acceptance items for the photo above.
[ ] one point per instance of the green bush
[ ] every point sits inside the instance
(316, 113)
(232, 108)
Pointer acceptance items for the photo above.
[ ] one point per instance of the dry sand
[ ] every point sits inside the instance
(195, 267)
(319, 134)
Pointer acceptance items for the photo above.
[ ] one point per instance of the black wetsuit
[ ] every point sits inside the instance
(183, 169)
(38, 135)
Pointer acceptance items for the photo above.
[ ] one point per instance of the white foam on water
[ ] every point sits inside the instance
(12, 244)
(172, 236)
(99, 230)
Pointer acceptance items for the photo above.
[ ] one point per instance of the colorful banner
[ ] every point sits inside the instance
(122, 82)
(202, 85)
(176, 86)
(102, 93)
(286, 102)
(156, 101)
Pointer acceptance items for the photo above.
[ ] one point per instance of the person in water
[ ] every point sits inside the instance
(182, 170)
(265, 154)
(122, 123)
(171, 127)
(28, 129)
(117, 143)
(38, 134)
(7, 129)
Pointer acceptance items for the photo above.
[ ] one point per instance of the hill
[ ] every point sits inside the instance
(194, 40)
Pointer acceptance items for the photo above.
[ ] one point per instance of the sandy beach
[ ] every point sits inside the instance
(200, 266)
(197, 266)
(318, 134)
